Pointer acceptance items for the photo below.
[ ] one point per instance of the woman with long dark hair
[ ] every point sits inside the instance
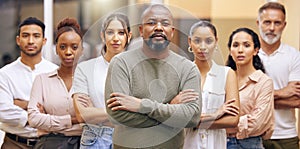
(255, 90)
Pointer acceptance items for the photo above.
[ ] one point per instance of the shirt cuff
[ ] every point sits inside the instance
(242, 128)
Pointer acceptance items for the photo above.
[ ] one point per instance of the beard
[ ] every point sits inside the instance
(268, 40)
(31, 54)
(157, 46)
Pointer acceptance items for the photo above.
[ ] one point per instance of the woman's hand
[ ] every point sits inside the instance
(227, 108)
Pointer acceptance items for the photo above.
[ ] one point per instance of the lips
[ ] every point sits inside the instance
(69, 60)
(115, 45)
(158, 36)
(30, 47)
(240, 58)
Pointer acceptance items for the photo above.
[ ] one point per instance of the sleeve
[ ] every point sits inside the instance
(295, 68)
(117, 80)
(80, 81)
(261, 119)
(10, 113)
(177, 115)
(40, 120)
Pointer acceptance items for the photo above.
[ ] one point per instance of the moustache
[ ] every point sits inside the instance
(158, 35)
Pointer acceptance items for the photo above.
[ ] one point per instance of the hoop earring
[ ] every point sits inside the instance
(190, 49)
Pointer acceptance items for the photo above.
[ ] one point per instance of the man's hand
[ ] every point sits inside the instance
(41, 108)
(83, 99)
(292, 89)
(119, 101)
(185, 96)
(21, 103)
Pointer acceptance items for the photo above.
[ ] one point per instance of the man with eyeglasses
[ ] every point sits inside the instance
(142, 82)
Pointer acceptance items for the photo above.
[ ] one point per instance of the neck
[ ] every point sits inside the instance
(245, 70)
(31, 61)
(269, 49)
(155, 54)
(66, 72)
(203, 66)
(108, 56)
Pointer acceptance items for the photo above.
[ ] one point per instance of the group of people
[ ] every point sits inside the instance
(149, 96)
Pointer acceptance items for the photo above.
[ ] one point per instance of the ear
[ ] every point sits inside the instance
(102, 37)
(18, 40)
(141, 30)
(255, 51)
(189, 41)
(44, 41)
(129, 36)
(173, 30)
(257, 22)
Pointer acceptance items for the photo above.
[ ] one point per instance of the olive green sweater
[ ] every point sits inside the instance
(158, 124)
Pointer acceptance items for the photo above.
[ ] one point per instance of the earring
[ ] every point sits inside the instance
(190, 50)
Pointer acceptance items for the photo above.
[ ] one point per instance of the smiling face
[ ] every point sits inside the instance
(242, 49)
(30, 40)
(271, 23)
(115, 37)
(203, 43)
(69, 48)
(157, 28)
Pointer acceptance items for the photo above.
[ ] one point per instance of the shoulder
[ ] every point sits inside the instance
(89, 63)
(289, 49)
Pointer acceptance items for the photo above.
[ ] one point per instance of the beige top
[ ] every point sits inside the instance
(49, 90)
(256, 107)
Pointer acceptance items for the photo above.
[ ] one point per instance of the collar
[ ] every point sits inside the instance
(214, 71)
(36, 66)
(279, 50)
(53, 73)
(255, 76)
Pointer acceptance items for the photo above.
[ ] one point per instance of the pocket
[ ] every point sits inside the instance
(215, 100)
(88, 137)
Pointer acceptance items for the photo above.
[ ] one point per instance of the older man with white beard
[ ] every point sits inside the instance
(282, 64)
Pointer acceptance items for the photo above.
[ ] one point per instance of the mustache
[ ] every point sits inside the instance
(158, 34)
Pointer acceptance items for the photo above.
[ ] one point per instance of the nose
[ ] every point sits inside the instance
(115, 37)
(69, 51)
(240, 49)
(158, 27)
(30, 40)
(272, 27)
(202, 46)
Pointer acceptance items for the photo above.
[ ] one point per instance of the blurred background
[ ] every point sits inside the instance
(226, 15)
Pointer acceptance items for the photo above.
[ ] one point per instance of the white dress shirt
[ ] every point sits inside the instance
(15, 82)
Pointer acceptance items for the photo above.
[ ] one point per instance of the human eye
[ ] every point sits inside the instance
(196, 41)
(24, 35)
(247, 45)
(278, 23)
(122, 33)
(234, 45)
(109, 32)
(62, 46)
(151, 23)
(267, 22)
(75, 47)
(209, 41)
(165, 23)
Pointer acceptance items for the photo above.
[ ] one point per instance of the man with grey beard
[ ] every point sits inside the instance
(142, 82)
(282, 64)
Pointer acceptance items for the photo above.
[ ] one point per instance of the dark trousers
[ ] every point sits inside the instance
(12, 144)
(58, 141)
(291, 143)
